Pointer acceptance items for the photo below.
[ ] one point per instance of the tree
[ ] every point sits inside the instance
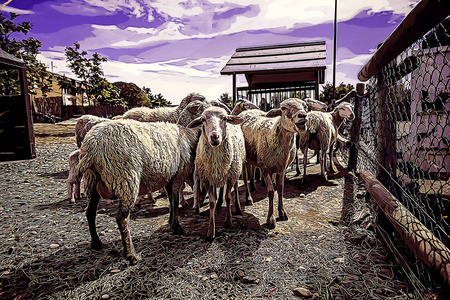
(25, 49)
(341, 90)
(226, 99)
(132, 94)
(156, 100)
(88, 70)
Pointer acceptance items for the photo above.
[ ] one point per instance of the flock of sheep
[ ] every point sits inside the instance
(199, 142)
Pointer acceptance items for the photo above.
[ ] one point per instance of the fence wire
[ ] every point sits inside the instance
(408, 106)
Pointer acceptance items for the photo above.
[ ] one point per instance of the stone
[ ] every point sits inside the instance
(302, 292)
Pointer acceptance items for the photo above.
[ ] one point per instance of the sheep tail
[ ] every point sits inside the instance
(85, 171)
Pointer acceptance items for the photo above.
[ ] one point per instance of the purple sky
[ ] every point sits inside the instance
(176, 47)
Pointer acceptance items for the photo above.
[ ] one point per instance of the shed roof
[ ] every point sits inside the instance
(277, 58)
(10, 60)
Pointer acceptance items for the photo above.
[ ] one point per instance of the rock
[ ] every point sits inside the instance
(302, 292)
(105, 296)
(340, 260)
(115, 271)
(302, 195)
(250, 279)
(53, 246)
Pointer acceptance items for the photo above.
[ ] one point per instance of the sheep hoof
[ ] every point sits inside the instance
(283, 216)
(249, 202)
(184, 204)
(72, 200)
(177, 229)
(197, 210)
(210, 237)
(133, 259)
(271, 223)
(96, 245)
(228, 224)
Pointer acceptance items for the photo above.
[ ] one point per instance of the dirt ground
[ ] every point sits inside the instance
(326, 250)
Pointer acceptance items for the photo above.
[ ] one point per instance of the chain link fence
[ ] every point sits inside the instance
(404, 140)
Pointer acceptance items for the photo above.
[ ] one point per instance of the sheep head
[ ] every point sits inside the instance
(214, 120)
(316, 105)
(345, 111)
(293, 114)
(190, 98)
(242, 105)
(193, 110)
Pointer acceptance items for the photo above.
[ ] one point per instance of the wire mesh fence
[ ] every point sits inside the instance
(404, 140)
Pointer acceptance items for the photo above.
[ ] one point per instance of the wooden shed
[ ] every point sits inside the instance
(278, 71)
(16, 127)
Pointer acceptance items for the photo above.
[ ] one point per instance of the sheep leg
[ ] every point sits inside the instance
(297, 146)
(237, 204)
(323, 162)
(122, 218)
(196, 193)
(228, 222)
(331, 158)
(91, 214)
(212, 215)
(78, 189)
(248, 195)
(270, 218)
(252, 178)
(70, 192)
(173, 218)
(305, 160)
(220, 199)
(181, 195)
(280, 190)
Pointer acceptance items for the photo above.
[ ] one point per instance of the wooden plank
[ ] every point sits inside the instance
(419, 238)
(277, 58)
(271, 67)
(276, 51)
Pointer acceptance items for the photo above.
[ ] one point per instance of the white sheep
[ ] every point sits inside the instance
(73, 180)
(219, 159)
(322, 133)
(124, 158)
(269, 143)
(158, 114)
(84, 124)
(313, 105)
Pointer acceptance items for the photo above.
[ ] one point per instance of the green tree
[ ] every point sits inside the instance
(132, 94)
(226, 99)
(327, 91)
(88, 70)
(25, 49)
(156, 100)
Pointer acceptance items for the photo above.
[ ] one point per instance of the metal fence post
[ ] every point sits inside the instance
(356, 127)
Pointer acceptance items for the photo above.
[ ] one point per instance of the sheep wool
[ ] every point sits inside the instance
(130, 158)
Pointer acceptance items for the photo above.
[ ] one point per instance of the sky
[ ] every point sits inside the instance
(177, 47)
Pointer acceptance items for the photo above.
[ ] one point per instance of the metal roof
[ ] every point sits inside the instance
(277, 59)
(10, 60)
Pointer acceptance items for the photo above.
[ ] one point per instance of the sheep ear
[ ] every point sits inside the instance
(249, 105)
(274, 112)
(235, 120)
(196, 122)
(194, 108)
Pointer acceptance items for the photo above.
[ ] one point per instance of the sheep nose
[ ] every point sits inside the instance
(215, 136)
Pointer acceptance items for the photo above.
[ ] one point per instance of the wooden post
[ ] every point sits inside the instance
(29, 118)
(422, 241)
(234, 89)
(386, 139)
(356, 127)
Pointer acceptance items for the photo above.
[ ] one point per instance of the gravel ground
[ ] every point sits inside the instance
(326, 250)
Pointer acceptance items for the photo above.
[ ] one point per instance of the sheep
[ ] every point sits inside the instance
(72, 179)
(124, 158)
(312, 105)
(242, 105)
(219, 159)
(84, 124)
(269, 143)
(167, 114)
(322, 133)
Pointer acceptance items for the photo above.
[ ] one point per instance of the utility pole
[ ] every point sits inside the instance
(334, 50)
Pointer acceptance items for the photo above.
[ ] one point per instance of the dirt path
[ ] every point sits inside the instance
(327, 246)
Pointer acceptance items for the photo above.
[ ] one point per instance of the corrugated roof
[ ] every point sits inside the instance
(277, 58)
(11, 60)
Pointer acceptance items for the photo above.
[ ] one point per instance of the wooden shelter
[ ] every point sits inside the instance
(271, 70)
(16, 127)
